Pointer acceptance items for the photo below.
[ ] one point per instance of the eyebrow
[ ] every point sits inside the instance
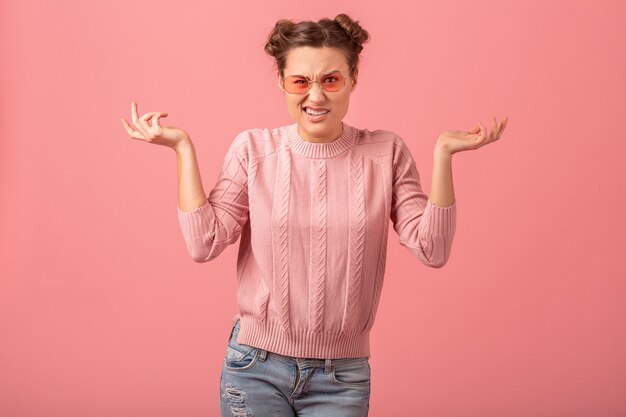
(328, 73)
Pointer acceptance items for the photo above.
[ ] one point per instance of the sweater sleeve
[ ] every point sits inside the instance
(425, 229)
(210, 228)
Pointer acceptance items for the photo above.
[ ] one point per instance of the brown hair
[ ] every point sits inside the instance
(341, 32)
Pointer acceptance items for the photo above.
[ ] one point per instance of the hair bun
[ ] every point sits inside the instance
(279, 36)
(353, 29)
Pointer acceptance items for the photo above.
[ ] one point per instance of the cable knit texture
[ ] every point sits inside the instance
(313, 219)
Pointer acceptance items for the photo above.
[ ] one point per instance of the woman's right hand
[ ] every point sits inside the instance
(147, 128)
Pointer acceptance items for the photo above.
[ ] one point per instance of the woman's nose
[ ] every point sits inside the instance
(316, 93)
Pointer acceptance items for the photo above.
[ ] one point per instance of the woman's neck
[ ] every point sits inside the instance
(337, 132)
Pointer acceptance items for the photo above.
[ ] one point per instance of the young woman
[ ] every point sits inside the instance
(311, 204)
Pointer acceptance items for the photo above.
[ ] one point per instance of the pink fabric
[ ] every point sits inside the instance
(313, 220)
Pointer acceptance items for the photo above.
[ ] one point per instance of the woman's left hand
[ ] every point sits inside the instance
(452, 141)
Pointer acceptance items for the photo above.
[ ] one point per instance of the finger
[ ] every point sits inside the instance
(141, 128)
(501, 127)
(482, 135)
(147, 116)
(483, 129)
(137, 122)
(131, 132)
(133, 111)
(474, 130)
(155, 119)
(493, 136)
(142, 123)
(160, 114)
(136, 118)
(127, 126)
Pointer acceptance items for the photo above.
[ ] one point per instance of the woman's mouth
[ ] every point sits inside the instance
(316, 114)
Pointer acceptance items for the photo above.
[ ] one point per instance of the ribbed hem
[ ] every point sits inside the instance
(321, 149)
(302, 343)
(438, 220)
(194, 223)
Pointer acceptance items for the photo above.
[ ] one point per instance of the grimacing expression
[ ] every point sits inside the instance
(329, 108)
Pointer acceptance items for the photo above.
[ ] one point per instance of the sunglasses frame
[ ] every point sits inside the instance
(310, 82)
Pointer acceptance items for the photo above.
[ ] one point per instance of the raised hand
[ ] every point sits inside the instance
(147, 128)
(453, 141)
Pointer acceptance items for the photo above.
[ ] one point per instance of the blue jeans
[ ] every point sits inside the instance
(255, 382)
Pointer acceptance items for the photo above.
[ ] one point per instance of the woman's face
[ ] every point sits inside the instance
(313, 63)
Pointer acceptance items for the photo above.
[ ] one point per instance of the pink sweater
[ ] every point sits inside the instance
(313, 220)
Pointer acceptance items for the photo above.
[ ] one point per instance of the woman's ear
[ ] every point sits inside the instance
(353, 79)
(280, 81)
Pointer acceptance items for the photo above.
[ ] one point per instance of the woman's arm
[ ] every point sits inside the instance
(191, 194)
(210, 224)
(424, 228)
(442, 188)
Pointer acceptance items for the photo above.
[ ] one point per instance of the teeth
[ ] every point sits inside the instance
(316, 113)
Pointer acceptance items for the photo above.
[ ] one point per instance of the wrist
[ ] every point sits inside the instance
(184, 145)
(441, 151)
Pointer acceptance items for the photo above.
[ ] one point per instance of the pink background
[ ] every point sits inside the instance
(103, 312)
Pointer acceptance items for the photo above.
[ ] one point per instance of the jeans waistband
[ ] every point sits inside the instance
(326, 364)
(308, 362)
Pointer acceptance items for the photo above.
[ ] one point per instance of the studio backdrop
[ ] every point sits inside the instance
(104, 313)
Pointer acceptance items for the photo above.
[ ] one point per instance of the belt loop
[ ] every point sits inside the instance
(232, 330)
(262, 354)
(327, 366)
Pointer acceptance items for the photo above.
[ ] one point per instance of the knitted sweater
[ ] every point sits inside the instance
(313, 220)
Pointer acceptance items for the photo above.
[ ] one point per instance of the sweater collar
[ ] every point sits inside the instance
(324, 149)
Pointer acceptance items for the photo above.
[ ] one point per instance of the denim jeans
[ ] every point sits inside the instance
(255, 382)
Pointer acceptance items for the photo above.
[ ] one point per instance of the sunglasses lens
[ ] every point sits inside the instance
(296, 85)
(333, 82)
